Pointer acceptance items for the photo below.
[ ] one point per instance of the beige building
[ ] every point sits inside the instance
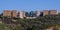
(45, 12)
(53, 12)
(14, 13)
(7, 13)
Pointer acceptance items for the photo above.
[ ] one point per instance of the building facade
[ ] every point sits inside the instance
(22, 14)
(45, 12)
(38, 13)
(14, 13)
(7, 13)
(53, 12)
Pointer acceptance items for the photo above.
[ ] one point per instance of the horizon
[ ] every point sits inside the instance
(29, 5)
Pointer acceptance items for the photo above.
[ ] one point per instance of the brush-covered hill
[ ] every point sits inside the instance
(40, 23)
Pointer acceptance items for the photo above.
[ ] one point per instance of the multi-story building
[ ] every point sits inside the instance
(31, 14)
(7, 13)
(22, 14)
(53, 12)
(38, 13)
(34, 13)
(14, 13)
(45, 12)
(27, 14)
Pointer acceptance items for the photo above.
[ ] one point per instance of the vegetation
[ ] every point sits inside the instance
(40, 23)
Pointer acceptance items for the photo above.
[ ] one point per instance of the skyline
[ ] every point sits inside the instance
(29, 5)
(23, 14)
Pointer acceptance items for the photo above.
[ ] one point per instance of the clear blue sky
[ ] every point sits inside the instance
(29, 5)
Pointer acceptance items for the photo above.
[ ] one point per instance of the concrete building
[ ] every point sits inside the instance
(35, 13)
(14, 13)
(45, 12)
(22, 14)
(53, 12)
(38, 13)
(7, 13)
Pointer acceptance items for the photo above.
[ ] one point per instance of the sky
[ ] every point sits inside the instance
(29, 5)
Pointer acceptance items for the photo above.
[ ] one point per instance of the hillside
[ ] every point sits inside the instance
(40, 23)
